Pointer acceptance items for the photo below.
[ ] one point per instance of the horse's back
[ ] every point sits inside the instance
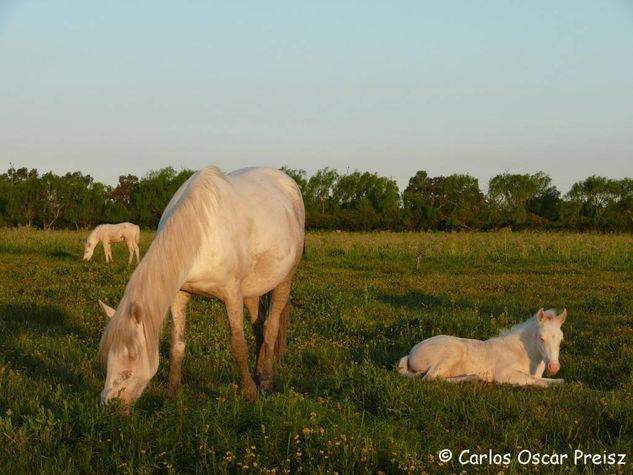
(251, 224)
(270, 185)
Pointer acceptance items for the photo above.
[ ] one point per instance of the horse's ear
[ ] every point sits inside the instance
(135, 312)
(109, 311)
(562, 316)
(540, 316)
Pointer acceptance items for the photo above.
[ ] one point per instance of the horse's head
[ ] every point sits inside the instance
(125, 350)
(549, 337)
(89, 248)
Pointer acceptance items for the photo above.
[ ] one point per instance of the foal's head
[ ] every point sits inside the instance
(91, 242)
(549, 337)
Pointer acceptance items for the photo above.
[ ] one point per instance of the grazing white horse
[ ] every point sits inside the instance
(517, 357)
(107, 233)
(234, 237)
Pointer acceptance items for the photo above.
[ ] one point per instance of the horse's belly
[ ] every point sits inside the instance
(267, 272)
(214, 276)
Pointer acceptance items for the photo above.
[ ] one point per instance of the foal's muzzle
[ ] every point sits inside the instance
(553, 368)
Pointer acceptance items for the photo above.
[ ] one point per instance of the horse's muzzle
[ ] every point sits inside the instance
(553, 368)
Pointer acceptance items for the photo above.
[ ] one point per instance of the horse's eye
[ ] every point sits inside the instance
(541, 338)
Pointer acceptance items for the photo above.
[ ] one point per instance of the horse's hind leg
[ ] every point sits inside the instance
(136, 251)
(257, 313)
(280, 297)
(447, 367)
(235, 310)
(130, 249)
(177, 351)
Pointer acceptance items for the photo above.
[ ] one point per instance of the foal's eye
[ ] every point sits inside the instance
(541, 338)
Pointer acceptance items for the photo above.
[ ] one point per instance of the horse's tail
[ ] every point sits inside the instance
(284, 321)
(137, 234)
(403, 367)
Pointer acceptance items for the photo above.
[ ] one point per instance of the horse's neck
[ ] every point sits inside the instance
(165, 266)
(156, 281)
(523, 340)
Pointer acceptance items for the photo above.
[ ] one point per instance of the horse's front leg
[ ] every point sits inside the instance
(519, 378)
(177, 351)
(264, 370)
(107, 251)
(235, 310)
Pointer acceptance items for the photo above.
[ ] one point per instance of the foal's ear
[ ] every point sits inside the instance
(109, 311)
(540, 316)
(562, 316)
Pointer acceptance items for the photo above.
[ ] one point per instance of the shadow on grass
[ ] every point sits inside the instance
(420, 301)
(63, 255)
(24, 324)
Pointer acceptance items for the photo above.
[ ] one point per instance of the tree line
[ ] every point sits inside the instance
(355, 201)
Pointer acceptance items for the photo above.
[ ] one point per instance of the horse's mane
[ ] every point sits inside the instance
(528, 323)
(165, 266)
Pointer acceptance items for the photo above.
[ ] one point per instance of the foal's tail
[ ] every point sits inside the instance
(404, 369)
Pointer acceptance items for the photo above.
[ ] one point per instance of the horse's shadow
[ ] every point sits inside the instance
(63, 254)
(26, 325)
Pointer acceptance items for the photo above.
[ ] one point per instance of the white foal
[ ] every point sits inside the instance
(517, 357)
(107, 233)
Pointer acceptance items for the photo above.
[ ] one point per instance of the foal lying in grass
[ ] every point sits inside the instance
(517, 357)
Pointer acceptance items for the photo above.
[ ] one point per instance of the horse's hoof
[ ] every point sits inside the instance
(249, 393)
(266, 385)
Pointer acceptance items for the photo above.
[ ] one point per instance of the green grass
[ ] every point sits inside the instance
(338, 404)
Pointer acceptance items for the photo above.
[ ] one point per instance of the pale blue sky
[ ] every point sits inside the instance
(477, 87)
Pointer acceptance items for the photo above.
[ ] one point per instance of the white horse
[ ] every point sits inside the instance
(517, 357)
(107, 233)
(234, 237)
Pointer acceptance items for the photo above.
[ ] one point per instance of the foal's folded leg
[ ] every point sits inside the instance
(462, 378)
(518, 378)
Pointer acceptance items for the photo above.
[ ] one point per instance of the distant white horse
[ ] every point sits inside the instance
(107, 233)
(517, 357)
(234, 237)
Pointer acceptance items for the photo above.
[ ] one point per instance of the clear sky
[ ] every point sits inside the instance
(479, 87)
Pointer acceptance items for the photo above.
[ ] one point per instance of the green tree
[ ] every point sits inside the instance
(26, 199)
(375, 200)
(53, 199)
(510, 194)
(6, 190)
(150, 197)
(83, 200)
(318, 189)
(451, 202)
(600, 203)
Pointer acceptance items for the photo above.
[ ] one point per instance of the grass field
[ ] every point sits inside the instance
(339, 405)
